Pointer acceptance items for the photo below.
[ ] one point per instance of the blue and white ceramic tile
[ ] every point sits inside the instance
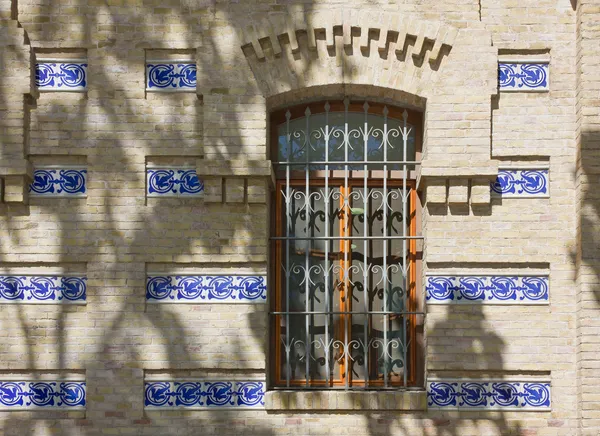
(517, 183)
(533, 76)
(171, 76)
(456, 289)
(59, 182)
(489, 395)
(68, 75)
(206, 289)
(43, 289)
(19, 395)
(173, 182)
(160, 395)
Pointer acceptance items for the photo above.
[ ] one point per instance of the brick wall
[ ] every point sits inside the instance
(117, 236)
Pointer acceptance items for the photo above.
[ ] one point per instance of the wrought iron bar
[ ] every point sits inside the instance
(338, 238)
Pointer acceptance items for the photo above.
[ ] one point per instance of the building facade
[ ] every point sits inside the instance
(364, 217)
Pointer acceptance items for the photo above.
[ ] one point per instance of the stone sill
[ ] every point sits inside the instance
(345, 400)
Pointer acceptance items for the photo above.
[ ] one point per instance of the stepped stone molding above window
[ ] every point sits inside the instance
(521, 183)
(61, 74)
(29, 394)
(518, 395)
(171, 76)
(43, 289)
(206, 288)
(59, 181)
(201, 394)
(172, 181)
(487, 289)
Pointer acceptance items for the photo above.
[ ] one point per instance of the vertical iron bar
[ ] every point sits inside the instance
(308, 246)
(365, 259)
(346, 243)
(326, 204)
(287, 251)
(384, 245)
(404, 245)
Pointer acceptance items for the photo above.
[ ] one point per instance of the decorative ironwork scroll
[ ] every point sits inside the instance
(171, 76)
(173, 182)
(43, 289)
(206, 289)
(19, 395)
(487, 289)
(524, 76)
(59, 182)
(61, 75)
(500, 394)
(204, 394)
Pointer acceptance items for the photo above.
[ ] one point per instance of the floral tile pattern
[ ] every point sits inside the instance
(19, 395)
(65, 75)
(43, 289)
(456, 289)
(516, 183)
(173, 182)
(204, 394)
(59, 182)
(171, 76)
(206, 289)
(492, 394)
(523, 76)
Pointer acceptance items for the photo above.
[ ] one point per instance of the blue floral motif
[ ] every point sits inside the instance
(204, 394)
(173, 183)
(521, 183)
(171, 76)
(523, 76)
(43, 289)
(61, 76)
(30, 395)
(59, 183)
(514, 395)
(198, 289)
(487, 289)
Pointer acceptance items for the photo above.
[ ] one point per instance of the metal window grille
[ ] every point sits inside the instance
(345, 245)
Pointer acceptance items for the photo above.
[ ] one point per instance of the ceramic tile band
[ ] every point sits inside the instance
(170, 76)
(523, 76)
(61, 75)
(173, 182)
(21, 289)
(487, 289)
(200, 394)
(53, 181)
(206, 289)
(489, 395)
(42, 395)
(521, 183)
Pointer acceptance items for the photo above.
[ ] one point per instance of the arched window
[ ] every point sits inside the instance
(344, 246)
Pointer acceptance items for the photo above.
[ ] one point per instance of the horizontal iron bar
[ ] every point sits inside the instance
(341, 238)
(350, 162)
(327, 387)
(381, 312)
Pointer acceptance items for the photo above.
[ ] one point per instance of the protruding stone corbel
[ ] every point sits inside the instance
(236, 181)
(16, 176)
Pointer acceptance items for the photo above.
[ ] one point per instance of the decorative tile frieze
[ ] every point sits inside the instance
(59, 182)
(43, 289)
(66, 75)
(173, 182)
(19, 395)
(522, 76)
(489, 395)
(206, 289)
(457, 289)
(521, 183)
(171, 76)
(204, 394)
